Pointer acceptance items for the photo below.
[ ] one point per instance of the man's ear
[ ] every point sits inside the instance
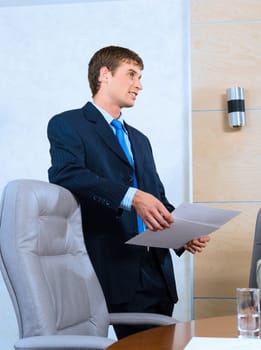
(104, 73)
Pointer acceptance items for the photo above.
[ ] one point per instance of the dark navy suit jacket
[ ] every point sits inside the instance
(88, 160)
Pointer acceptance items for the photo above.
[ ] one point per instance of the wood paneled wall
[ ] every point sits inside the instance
(226, 52)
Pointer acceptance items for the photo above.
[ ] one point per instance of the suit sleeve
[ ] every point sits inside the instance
(164, 200)
(160, 188)
(68, 167)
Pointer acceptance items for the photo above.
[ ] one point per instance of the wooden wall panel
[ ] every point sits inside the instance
(224, 56)
(225, 264)
(226, 51)
(218, 307)
(226, 161)
(223, 10)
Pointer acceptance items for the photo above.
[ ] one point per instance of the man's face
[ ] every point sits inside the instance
(124, 84)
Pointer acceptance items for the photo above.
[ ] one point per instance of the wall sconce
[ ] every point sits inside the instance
(236, 107)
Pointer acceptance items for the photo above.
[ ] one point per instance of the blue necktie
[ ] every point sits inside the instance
(121, 138)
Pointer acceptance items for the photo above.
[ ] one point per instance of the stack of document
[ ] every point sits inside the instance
(190, 221)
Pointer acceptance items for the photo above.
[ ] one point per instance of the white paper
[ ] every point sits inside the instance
(199, 343)
(190, 221)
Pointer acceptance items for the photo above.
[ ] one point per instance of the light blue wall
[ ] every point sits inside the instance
(44, 56)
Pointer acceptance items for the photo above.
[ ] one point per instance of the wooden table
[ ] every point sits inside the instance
(176, 337)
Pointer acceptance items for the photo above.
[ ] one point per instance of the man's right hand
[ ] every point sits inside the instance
(153, 213)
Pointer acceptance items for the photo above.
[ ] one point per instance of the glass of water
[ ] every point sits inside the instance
(248, 312)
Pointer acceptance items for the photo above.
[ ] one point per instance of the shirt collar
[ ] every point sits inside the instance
(108, 117)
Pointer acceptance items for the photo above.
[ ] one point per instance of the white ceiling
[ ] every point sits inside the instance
(44, 2)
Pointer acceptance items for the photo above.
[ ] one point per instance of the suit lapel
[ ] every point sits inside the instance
(136, 148)
(104, 131)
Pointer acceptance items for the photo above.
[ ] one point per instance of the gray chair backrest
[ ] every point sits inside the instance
(44, 263)
(256, 252)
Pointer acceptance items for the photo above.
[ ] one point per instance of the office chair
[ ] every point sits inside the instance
(57, 298)
(256, 252)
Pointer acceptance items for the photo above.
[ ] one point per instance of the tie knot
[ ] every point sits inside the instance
(117, 124)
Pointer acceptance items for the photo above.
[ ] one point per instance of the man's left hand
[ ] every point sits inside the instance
(197, 245)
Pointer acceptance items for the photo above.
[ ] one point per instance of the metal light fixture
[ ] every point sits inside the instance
(236, 107)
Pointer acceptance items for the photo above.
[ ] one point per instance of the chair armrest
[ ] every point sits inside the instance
(258, 273)
(140, 318)
(63, 342)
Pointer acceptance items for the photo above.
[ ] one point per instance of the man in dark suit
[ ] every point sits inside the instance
(116, 194)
